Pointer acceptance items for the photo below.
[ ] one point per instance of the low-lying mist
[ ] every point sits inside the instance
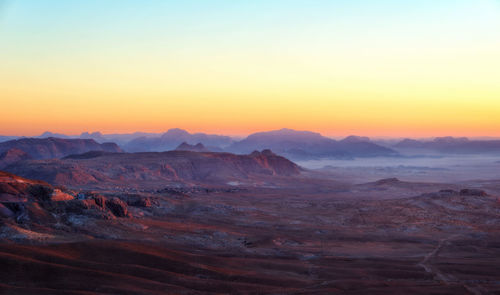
(435, 167)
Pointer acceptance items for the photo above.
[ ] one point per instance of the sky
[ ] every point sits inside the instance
(366, 67)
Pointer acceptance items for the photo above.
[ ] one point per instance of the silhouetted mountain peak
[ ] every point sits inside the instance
(176, 132)
(48, 134)
(52, 147)
(355, 138)
(289, 133)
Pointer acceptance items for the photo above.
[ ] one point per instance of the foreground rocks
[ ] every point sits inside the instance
(29, 202)
(117, 207)
(254, 241)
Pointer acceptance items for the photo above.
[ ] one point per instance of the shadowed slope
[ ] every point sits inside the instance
(12, 156)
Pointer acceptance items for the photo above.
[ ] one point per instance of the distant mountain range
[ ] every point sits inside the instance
(173, 138)
(450, 145)
(49, 148)
(309, 145)
(192, 148)
(7, 138)
(120, 139)
(296, 145)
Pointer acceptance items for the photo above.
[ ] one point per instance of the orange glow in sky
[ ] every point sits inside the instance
(369, 68)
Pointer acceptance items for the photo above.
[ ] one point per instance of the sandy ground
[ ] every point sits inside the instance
(295, 240)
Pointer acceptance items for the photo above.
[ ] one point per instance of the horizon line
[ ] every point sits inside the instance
(246, 134)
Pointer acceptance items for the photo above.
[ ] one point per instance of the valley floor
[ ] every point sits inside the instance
(264, 241)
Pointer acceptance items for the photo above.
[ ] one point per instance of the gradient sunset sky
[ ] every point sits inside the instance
(376, 68)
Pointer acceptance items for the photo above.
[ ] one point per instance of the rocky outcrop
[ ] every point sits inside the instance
(117, 207)
(277, 165)
(41, 192)
(58, 196)
(100, 200)
(36, 203)
(80, 206)
(138, 201)
(18, 189)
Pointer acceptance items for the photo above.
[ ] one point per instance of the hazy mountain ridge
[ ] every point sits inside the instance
(7, 138)
(173, 138)
(451, 145)
(199, 147)
(306, 144)
(297, 145)
(47, 148)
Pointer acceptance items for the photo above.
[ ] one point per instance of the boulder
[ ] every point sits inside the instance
(58, 195)
(100, 200)
(138, 201)
(144, 202)
(117, 207)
